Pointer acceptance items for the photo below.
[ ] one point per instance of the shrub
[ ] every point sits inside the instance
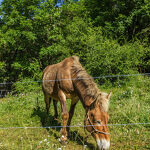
(107, 57)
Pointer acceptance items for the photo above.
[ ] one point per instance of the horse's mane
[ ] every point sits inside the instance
(86, 81)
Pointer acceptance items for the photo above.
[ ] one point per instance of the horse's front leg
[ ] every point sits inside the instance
(65, 115)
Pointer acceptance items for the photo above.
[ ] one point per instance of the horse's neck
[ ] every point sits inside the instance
(81, 92)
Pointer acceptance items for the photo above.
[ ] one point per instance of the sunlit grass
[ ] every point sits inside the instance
(129, 104)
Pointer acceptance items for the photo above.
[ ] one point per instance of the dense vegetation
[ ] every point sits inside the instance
(111, 37)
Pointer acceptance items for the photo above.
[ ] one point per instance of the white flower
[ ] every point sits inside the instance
(59, 140)
(45, 140)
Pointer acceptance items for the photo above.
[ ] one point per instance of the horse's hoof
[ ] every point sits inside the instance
(63, 140)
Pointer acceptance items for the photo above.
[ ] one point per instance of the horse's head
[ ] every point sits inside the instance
(96, 121)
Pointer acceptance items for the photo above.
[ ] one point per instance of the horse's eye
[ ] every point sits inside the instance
(92, 115)
(98, 122)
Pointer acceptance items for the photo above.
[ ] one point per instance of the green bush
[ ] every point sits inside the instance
(107, 57)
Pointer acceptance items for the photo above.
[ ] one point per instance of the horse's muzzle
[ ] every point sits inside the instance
(103, 144)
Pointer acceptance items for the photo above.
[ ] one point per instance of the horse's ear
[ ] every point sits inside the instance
(109, 95)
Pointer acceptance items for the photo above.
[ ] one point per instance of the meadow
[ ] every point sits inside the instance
(130, 103)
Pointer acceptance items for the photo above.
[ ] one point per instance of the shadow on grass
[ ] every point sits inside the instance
(50, 121)
(46, 121)
(79, 139)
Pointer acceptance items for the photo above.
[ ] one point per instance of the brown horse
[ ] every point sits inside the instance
(68, 79)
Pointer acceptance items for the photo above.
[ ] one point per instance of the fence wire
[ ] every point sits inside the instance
(74, 126)
(98, 77)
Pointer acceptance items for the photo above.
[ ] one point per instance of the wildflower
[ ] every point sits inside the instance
(59, 140)
(85, 146)
(45, 140)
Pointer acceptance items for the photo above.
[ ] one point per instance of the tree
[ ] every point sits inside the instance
(125, 19)
(26, 36)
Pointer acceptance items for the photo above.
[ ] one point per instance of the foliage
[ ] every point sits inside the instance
(34, 34)
(25, 34)
(121, 19)
(107, 57)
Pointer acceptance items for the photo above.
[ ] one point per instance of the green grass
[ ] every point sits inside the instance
(129, 104)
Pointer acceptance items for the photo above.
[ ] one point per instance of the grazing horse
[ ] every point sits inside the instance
(68, 79)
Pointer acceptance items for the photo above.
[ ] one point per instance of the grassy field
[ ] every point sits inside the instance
(129, 104)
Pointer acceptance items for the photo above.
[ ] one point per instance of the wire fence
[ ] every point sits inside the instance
(4, 90)
(74, 126)
(98, 77)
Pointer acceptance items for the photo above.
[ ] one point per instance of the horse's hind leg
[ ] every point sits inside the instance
(47, 103)
(55, 108)
(71, 112)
